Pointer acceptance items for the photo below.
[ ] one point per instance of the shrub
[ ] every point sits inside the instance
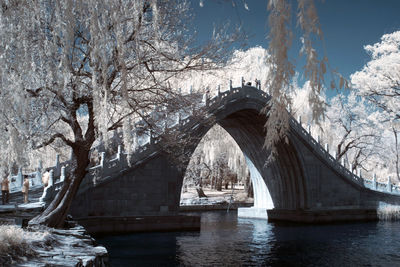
(16, 244)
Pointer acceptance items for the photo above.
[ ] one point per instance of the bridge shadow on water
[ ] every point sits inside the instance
(225, 240)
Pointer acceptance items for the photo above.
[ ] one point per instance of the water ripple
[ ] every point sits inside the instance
(226, 240)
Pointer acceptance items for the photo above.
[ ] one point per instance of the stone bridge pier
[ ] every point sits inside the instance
(305, 182)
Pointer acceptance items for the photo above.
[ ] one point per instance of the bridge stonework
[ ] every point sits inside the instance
(305, 182)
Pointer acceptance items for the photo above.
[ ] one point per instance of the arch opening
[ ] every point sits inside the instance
(217, 161)
(217, 171)
(284, 177)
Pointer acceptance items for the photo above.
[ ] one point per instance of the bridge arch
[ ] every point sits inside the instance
(240, 116)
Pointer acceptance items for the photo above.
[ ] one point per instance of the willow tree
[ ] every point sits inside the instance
(108, 60)
(282, 69)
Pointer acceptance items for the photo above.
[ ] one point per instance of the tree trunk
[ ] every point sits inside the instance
(200, 192)
(55, 214)
(397, 153)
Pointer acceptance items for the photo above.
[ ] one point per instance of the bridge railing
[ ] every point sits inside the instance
(373, 184)
(145, 149)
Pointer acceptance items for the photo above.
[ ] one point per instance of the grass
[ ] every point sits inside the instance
(16, 244)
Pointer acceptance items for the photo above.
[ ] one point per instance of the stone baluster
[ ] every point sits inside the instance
(334, 154)
(374, 181)
(230, 84)
(62, 176)
(71, 155)
(119, 152)
(135, 142)
(179, 118)
(359, 172)
(299, 119)
(19, 180)
(38, 175)
(102, 158)
(389, 185)
(351, 167)
(151, 137)
(309, 129)
(318, 139)
(327, 147)
(40, 165)
(57, 166)
(51, 178)
(205, 97)
(219, 91)
(342, 162)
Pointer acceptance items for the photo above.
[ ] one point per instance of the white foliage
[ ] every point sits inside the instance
(379, 80)
(109, 59)
(249, 64)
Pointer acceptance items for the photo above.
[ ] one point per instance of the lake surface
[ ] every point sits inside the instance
(225, 240)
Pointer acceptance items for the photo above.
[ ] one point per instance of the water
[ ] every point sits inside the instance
(225, 240)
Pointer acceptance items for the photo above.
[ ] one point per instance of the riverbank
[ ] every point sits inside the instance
(226, 199)
(33, 247)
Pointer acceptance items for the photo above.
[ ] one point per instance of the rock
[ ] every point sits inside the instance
(67, 247)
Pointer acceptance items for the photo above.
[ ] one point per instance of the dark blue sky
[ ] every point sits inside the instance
(347, 25)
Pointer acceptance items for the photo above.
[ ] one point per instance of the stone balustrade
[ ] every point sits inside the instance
(181, 121)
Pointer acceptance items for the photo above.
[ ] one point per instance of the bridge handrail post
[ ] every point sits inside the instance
(389, 185)
(166, 124)
(205, 98)
(135, 142)
(230, 84)
(327, 147)
(51, 178)
(19, 181)
(258, 84)
(151, 141)
(242, 81)
(219, 91)
(119, 152)
(57, 166)
(102, 159)
(38, 177)
(62, 176)
(374, 182)
(71, 155)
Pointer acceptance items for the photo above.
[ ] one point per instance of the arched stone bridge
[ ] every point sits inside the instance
(306, 183)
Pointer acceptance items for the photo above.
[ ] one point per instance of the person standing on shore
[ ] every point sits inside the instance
(5, 190)
(25, 189)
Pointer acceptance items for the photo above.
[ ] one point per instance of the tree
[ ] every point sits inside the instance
(379, 83)
(353, 129)
(281, 72)
(110, 61)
